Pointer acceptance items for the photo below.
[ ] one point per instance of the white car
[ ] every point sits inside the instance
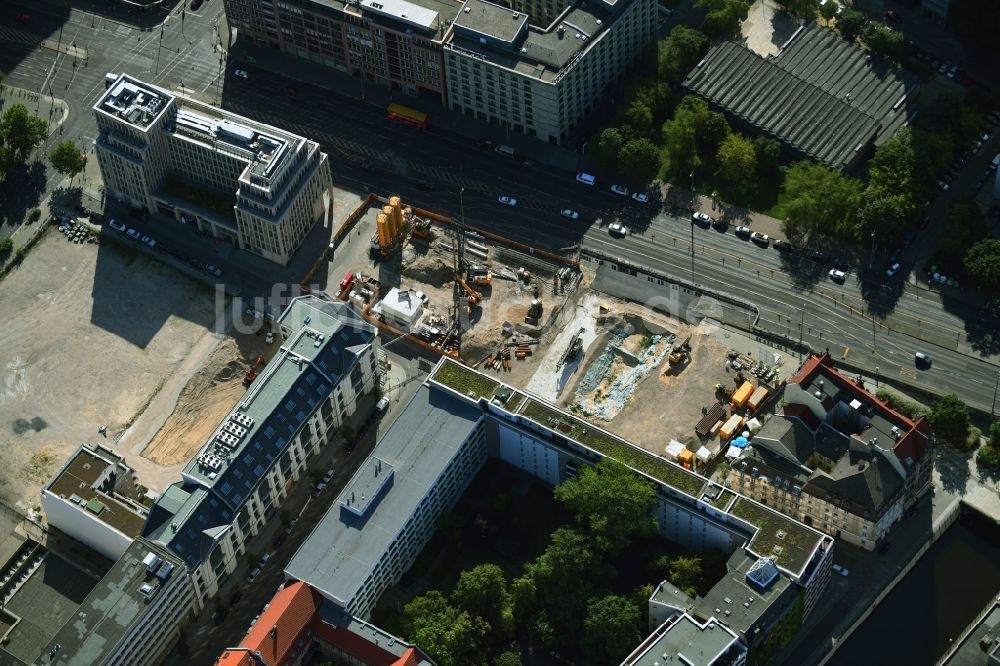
(213, 270)
(837, 276)
(117, 226)
(889, 272)
(760, 238)
(620, 189)
(253, 574)
(149, 241)
(743, 232)
(571, 214)
(328, 476)
(382, 404)
(640, 197)
(841, 570)
(616, 229)
(943, 186)
(242, 73)
(703, 218)
(507, 201)
(133, 233)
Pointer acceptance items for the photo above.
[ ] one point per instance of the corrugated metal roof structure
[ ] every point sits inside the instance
(823, 97)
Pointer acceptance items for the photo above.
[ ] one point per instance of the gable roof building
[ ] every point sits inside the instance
(823, 97)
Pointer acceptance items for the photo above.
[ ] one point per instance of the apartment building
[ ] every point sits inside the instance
(537, 69)
(390, 43)
(254, 185)
(94, 498)
(836, 457)
(241, 476)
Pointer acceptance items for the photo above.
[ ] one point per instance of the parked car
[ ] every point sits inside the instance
(841, 570)
(209, 268)
(318, 489)
(329, 473)
(640, 197)
(117, 226)
(892, 270)
(571, 214)
(821, 256)
(703, 219)
(507, 201)
(616, 229)
(761, 239)
(620, 189)
(148, 241)
(263, 560)
(242, 73)
(195, 4)
(253, 574)
(837, 275)
(743, 232)
(133, 233)
(783, 245)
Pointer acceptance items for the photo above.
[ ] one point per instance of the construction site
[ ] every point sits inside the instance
(459, 290)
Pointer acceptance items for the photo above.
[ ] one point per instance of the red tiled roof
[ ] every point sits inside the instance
(279, 627)
(360, 648)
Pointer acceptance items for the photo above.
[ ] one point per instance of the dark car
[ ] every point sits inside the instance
(783, 245)
(195, 4)
(485, 143)
(280, 540)
(821, 256)
(235, 597)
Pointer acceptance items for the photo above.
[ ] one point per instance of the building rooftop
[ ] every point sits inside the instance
(80, 481)
(321, 342)
(684, 640)
(980, 643)
(479, 18)
(347, 543)
(113, 605)
(825, 97)
(746, 609)
(789, 542)
(273, 637)
(134, 101)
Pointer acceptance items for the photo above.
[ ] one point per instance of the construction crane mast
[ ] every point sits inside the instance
(458, 292)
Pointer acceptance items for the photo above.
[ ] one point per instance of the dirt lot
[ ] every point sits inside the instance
(85, 344)
(205, 400)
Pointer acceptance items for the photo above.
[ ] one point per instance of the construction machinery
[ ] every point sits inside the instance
(421, 227)
(534, 312)
(723, 391)
(679, 357)
(573, 349)
(480, 275)
(473, 295)
(251, 373)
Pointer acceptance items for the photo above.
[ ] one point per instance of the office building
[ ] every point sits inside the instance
(836, 457)
(94, 498)
(537, 69)
(210, 518)
(684, 640)
(253, 185)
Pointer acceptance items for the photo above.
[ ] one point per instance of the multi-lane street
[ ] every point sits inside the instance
(370, 152)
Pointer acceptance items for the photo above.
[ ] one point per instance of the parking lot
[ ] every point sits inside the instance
(91, 332)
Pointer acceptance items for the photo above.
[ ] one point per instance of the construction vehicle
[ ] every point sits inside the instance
(534, 312)
(421, 227)
(251, 373)
(723, 391)
(480, 275)
(524, 275)
(473, 295)
(679, 357)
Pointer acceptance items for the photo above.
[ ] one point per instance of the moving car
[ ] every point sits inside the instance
(922, 360)
(841, 570)
(329, 473)
(616, 229)
(743, 232)
(783, 245)
(640, 197)
(242, 73)
(702, 218)
(761, 239)
(382, 404)
(507, 201)
(117, 226)
(837, 275)
(892, 270)
(821, 256)
(133, 233)
(620, 189)
(585, 178)
(571, 214)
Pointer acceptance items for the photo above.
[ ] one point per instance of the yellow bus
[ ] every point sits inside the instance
(407, 115)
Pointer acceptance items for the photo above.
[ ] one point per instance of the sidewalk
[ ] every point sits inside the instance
(442, 121)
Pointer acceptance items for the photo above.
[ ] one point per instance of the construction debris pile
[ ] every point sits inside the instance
(613, 376)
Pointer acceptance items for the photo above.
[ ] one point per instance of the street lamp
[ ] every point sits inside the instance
(871, 258)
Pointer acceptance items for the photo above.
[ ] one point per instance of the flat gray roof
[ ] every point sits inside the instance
(136, 102)
(742, 607)
(491, 20)
(343, 548)
(684, 641)
(75, 482)
(970, 649)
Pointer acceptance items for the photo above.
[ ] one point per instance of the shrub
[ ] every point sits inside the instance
(34, 215)
(6, 245)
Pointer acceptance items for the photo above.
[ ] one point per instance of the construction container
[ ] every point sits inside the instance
(730, 427)
(741, 395)
(758, 397)
(686, 458)
(674, 449)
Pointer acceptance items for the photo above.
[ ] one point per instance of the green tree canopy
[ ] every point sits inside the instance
(20, 131)
(881, 215)
(67, 159)
(828, 10)
(639, 116)
(679, 52)
(807, 9)
(849, 23)
(982, 262)
(611, 502)
(723, 16)
(818, 200)
(963, 226)
(883, 40)
(685, 571)
(608, 145)
(768, 154)
(450, 636)
(611, 629)
(694, 131)
(995, 434)
(950, 420)
(482, 591)
(896, 171)
(737, 160)
(639, 161)
(508, 659)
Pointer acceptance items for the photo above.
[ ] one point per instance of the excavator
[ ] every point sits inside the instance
(474, 296)
(251, 373)
(421, 227)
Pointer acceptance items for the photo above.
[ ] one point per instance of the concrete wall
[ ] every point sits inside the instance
(83, 526)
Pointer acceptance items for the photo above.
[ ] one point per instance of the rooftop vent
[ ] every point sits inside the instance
(467, 10)
(515, 16)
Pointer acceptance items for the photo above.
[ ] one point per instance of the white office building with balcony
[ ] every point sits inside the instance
(254, 185)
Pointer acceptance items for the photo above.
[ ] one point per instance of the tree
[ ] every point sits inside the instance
(818, 200)
(608, 145)
(611, 502)
(883, 40)
(895, 172)
(20, 131)
(963, 227)
(949, 420)
(483, 591)
(6, 245)
(679, 52)
(611, 629)
(639, 116)
(737, 160)
(849, 23)
(768, 154)
(723, 16)
(451, 637)
(995, 434)
(508, 659)
(679, 144)
(695, 130)
(828, 10)
(880, 215)
(807, 9)
(686, 573)
(34, 215)
(988, 456)
(639, 159)
(982, 262)
(67, 159)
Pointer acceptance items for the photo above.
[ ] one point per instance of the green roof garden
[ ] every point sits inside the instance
(460, 378)
(787, 541)
(613, 447)
(723, 500)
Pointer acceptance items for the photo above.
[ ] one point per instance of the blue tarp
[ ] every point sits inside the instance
(740, 442)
